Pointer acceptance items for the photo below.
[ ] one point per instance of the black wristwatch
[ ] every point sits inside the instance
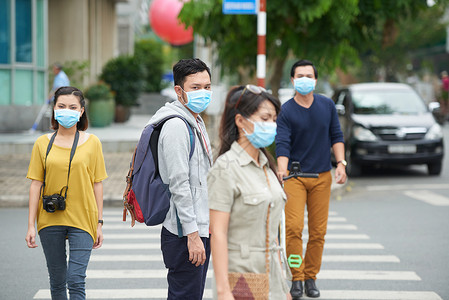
(100, 222)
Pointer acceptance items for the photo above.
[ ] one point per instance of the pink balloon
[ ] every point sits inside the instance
(164, 21)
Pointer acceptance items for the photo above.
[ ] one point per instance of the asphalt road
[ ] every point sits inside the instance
(388, 238)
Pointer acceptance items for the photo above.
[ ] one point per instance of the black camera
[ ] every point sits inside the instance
(53, 203)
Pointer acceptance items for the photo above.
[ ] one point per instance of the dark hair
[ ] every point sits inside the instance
(300, 63)
(248, 105)
(83, 123)
(186, 67)
(57, 66)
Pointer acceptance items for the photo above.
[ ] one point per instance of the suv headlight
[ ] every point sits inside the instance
(363, 134)
(435, 133)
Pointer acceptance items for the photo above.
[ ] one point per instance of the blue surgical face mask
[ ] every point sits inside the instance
(304, 85)
(263, 134)
(198, 101)
(67, 117)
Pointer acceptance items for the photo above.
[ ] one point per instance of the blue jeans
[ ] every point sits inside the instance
(185, 281)
(53, 240)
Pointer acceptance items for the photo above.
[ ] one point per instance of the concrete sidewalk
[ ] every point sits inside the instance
(118, 140)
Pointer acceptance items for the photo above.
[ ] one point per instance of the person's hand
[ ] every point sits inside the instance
(340, 174)
(31, 237)
(226, 295)
(289, 296)
(281, 174)
(99, 240)
(197, 253)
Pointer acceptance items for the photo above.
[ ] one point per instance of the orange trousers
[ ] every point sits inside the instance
(315, 193)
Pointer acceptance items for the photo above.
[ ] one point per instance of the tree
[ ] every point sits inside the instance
(331, 33)
(391, 34)
(149, 54)
(317, 30)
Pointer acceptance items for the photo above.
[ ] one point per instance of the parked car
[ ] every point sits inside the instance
(386, 124)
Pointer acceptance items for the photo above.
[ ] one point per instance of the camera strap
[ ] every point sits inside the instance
(72, 153)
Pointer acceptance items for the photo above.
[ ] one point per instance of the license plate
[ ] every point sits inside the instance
(402, 149)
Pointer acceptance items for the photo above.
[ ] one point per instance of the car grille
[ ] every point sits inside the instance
(400, 133)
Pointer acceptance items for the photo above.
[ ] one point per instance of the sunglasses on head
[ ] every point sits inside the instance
(256, 90)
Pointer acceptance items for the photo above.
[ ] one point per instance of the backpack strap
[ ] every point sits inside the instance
(192, 150)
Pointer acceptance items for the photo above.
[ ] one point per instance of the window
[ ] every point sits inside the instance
(23, 32)
(23, 66)
(5, 31)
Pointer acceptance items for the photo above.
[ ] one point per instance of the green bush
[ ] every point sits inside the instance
(98, 91)
(125, 76)
(149, 54)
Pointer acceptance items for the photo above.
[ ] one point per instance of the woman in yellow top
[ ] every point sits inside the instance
(66, 194)
(243, 188)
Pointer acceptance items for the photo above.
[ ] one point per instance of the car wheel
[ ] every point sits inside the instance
(435, 168)
(352, 169)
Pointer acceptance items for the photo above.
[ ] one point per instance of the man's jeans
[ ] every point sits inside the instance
(53, 241)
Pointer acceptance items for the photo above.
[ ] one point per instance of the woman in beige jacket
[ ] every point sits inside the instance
(242, 188)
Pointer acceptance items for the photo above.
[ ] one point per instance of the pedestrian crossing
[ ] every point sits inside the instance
(129, 265)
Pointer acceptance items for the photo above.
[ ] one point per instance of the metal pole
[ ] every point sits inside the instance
(261, 42)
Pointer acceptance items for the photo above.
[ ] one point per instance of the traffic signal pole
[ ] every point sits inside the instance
(261, 42)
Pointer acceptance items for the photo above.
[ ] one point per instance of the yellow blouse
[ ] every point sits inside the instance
(87, 168)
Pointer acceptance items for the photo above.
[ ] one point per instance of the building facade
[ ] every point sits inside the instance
(34, 34)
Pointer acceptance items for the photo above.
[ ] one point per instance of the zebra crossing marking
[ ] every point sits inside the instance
(121, 257)
(428, 197)
(121, 294)
(368, 275)
(123, 273)
(361, 258)
(407, 187)
(325, 294)
(376, 295)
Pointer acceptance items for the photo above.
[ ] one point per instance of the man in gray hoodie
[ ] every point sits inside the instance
(186, 258)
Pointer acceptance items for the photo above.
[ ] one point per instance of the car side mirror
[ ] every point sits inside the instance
(434, 107)
(341, 110)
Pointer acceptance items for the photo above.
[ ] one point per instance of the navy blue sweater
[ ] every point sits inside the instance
(307, 134)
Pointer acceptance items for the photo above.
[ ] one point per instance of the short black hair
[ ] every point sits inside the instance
(83, 123)
(186, 67)
(300, 63)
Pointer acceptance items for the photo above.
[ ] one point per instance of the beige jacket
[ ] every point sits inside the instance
(237, 185)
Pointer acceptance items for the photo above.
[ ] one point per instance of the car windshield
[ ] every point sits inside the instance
(385, 102)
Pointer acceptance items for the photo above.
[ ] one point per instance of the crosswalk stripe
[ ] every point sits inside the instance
(121, 294)
(109, 212)
(331, 219)
(353, 246)
(130, 246)
(361, 258)
(127, 226)
(326, 258)
(407, 187)
(428, 197)
(332, 236)
(325, 294)
(156, 245)
(123, 257)
(139, 236)
(376, 295)
(110, 274)
(338, 227)
(131, 236)
(367, 275)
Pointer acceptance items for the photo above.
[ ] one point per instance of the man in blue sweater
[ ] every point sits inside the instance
(307, 128)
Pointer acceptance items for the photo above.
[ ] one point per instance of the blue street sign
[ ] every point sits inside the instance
(240, 7)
